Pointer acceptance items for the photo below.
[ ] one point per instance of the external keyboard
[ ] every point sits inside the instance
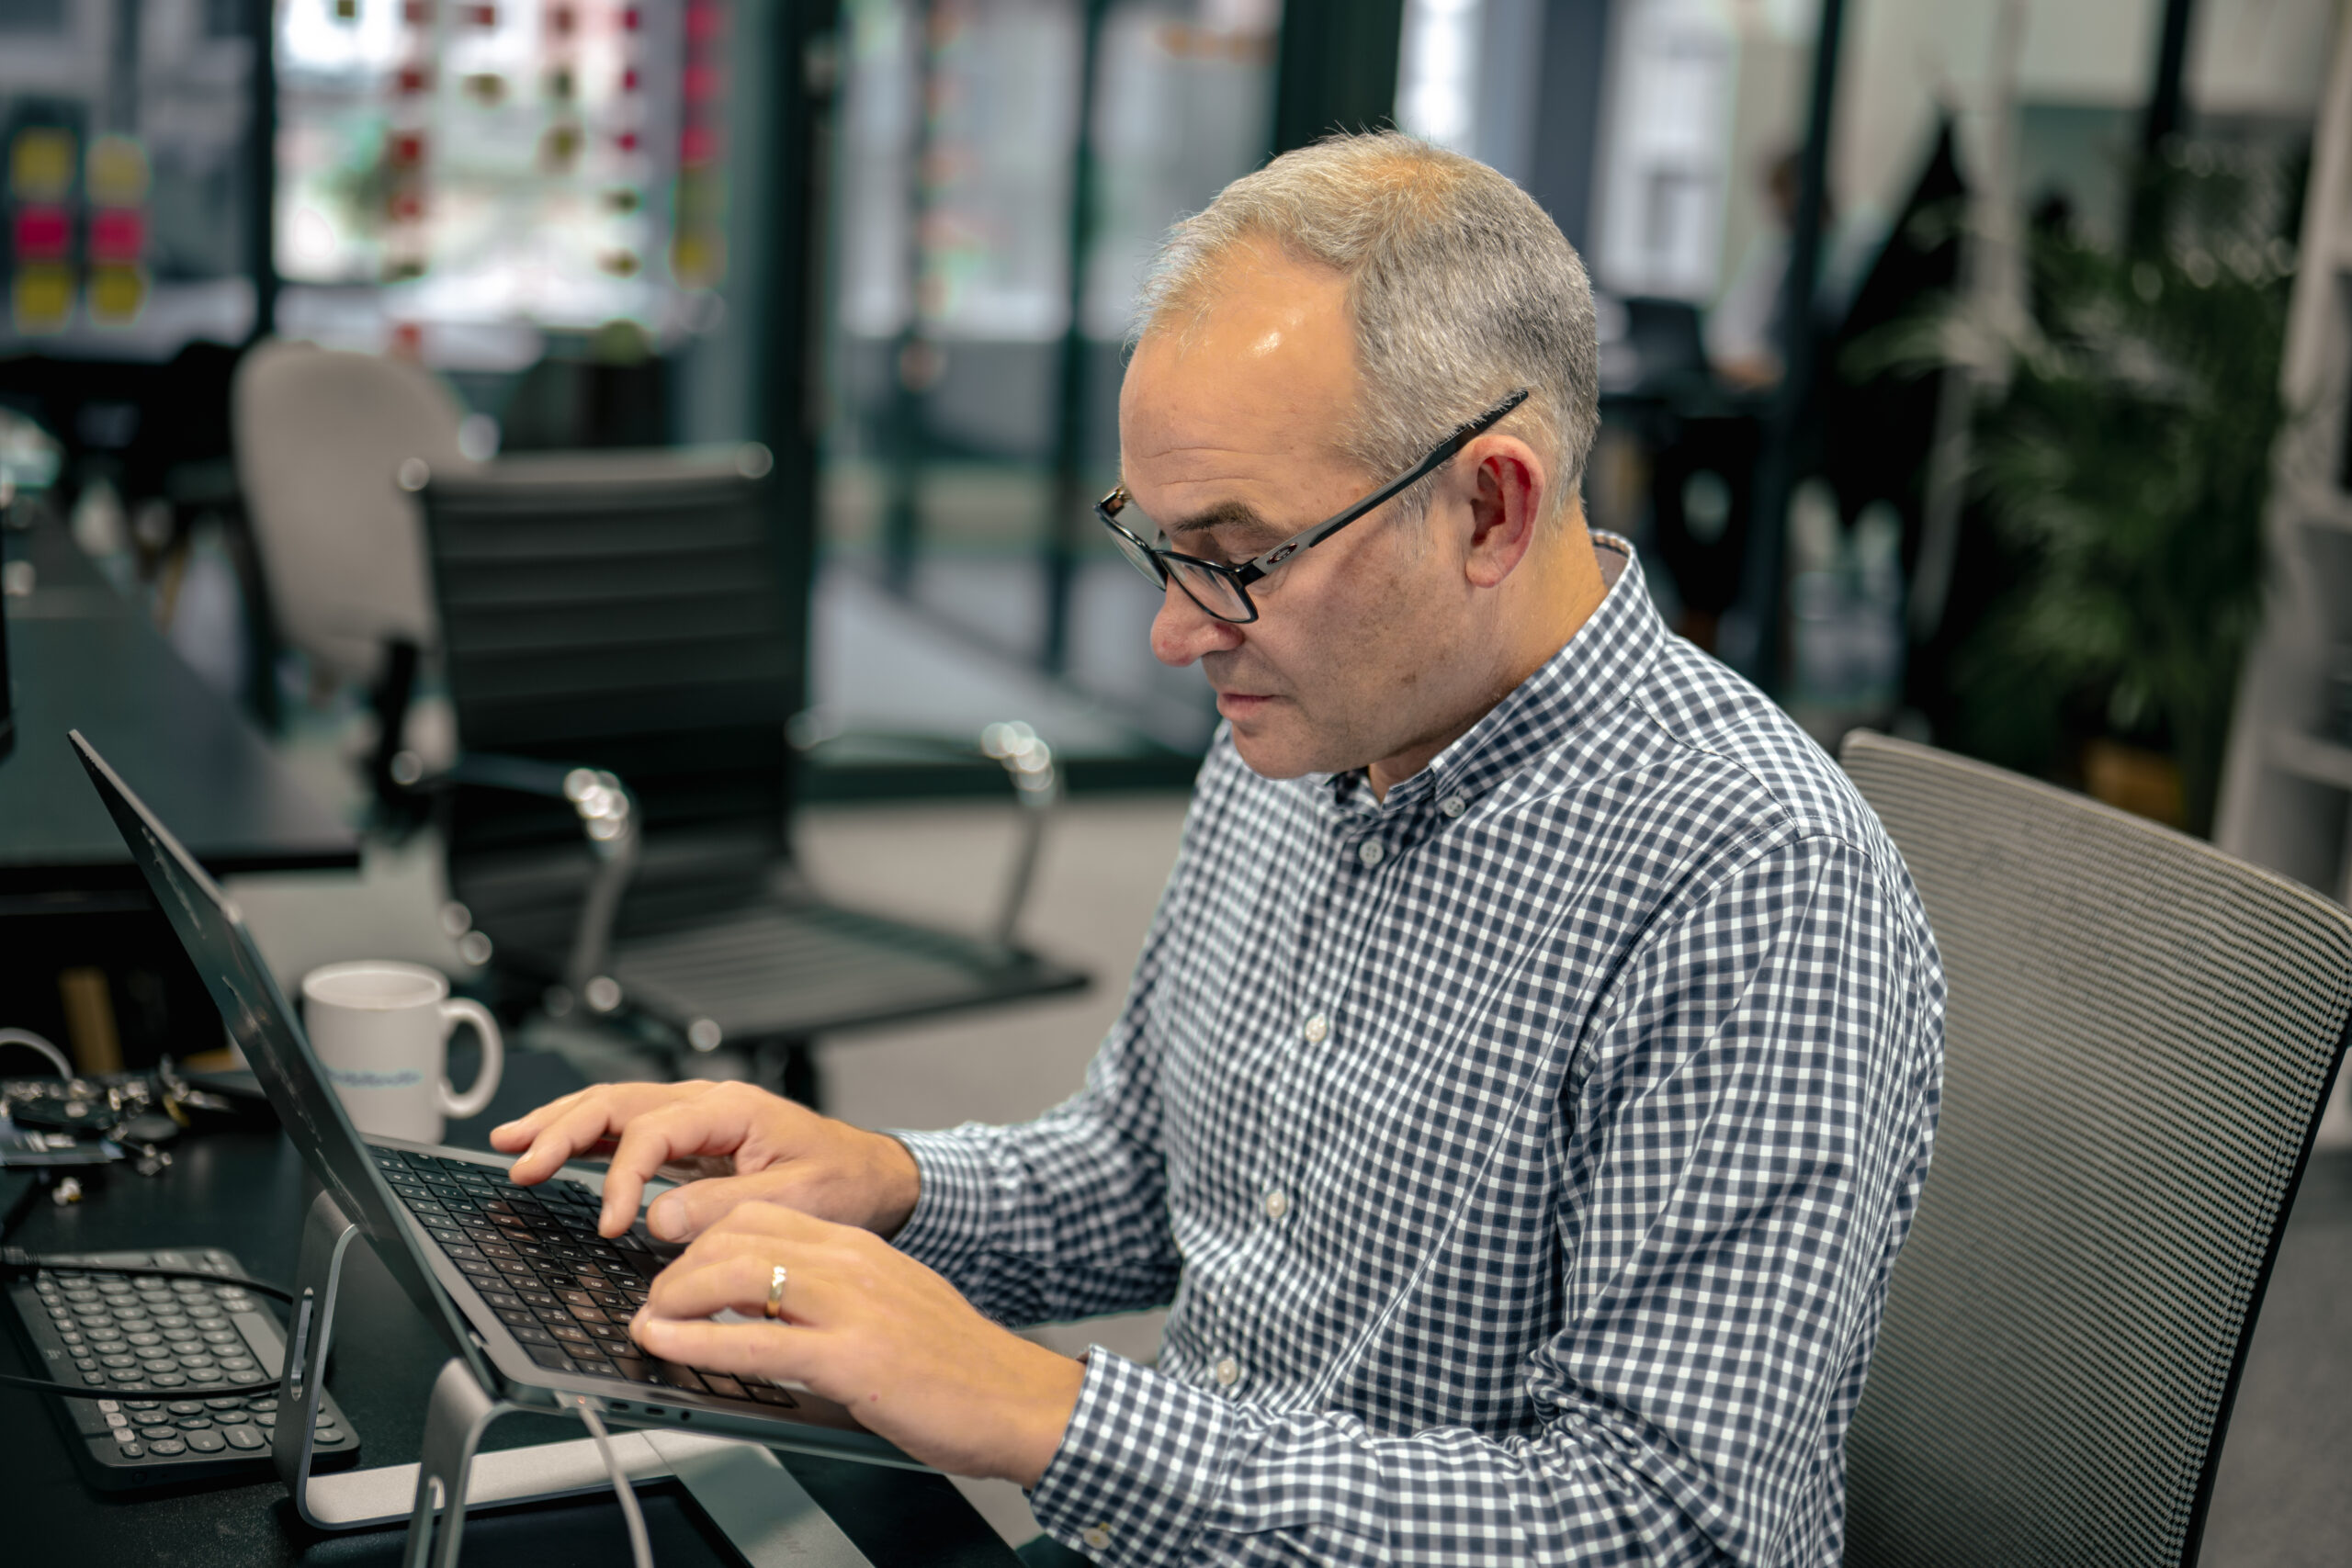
(566, 1293)
(140, 1337)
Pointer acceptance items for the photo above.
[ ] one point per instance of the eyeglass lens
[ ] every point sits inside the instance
(1210, 590)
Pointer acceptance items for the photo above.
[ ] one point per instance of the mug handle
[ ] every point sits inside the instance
(460, 1009)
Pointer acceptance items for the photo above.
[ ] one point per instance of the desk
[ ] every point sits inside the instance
(248, 1192)
(85, 657)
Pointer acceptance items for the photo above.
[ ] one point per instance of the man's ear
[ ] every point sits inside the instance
(1507, 499)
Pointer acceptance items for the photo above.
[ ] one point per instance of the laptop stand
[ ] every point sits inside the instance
(738, 1486)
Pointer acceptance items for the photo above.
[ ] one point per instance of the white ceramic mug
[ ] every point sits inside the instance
(381, 1030)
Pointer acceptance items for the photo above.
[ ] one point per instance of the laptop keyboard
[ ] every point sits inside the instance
(566, 1293)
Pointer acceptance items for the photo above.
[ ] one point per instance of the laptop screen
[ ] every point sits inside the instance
(222, 950)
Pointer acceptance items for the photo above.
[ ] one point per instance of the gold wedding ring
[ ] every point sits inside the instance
(775, 1292)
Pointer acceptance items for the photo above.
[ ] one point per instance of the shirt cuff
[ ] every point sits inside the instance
(953, 1204)
(1142, 1458)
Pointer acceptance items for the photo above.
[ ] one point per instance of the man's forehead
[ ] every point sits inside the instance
(1265, 369)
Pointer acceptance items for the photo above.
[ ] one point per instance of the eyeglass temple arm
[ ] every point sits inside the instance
(1444, 454)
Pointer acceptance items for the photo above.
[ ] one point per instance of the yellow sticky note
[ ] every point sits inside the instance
(43, 296)
(118, 172)
(41, 164)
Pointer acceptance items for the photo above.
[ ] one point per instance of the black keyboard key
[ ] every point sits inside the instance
(549, 1357)
(637, 1368)
(767, 1394)
(677, 1376)
(723, 1385)
(593, 1366)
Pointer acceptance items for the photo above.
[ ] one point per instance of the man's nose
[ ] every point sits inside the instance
(1183, 631)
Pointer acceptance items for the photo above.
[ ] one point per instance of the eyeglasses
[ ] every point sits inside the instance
(1223, 590)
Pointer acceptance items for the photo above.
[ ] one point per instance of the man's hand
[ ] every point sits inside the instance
(871, 1329)
(731, 1143)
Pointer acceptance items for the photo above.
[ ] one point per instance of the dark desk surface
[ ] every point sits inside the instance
(248, 1192)
(82, 657)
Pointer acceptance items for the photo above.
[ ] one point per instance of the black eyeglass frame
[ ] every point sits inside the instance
(1107, 510)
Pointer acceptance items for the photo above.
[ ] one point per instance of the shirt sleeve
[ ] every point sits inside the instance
(1065, 1217)
(1743, 1139)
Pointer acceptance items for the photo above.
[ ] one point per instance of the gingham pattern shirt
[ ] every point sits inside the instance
(1525, 1155)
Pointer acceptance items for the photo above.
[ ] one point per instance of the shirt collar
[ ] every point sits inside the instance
(1604, 657)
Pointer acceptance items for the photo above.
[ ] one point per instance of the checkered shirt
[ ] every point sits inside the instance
(1523, 1154)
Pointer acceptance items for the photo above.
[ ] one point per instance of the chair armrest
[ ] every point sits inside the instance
(1028, 764)
(607, 814)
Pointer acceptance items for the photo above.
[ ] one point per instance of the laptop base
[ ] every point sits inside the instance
(738, 1486)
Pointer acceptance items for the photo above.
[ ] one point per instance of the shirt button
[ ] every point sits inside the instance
(1277, 1204)
(1097, 1538)
(1317, 1029)
(1454, 805)
(1370, 852)
(1228, 1372)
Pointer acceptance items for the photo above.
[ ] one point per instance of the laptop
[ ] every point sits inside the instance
(515, 1278)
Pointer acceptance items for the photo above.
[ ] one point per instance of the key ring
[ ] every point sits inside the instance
(775, 1292)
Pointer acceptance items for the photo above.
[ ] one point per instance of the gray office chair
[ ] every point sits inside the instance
(2141, 1033)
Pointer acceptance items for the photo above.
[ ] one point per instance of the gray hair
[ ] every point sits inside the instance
(1461, 290)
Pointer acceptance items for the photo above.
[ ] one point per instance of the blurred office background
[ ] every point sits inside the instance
(1964, 375)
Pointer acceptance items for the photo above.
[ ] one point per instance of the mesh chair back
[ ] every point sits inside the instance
(2141, 1034)
(627, 611)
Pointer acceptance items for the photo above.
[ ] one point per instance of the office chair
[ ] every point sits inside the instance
(2141, 1033)
(318, 435)
(624, 646)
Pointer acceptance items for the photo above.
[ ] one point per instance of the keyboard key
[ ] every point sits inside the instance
(167, 1448)
(637, 1368)
(549, 1357)
(194, 1423)
(184, 1407)
(244, 1437)
(593, 1366)
(767, 1394)
(677, 1376)
(726, 1387)
(207, 1441)
(232, 1402)
(531, 1334)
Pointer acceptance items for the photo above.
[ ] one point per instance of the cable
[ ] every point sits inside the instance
(26, 1038)
(262, 1389)
(640, 1548)
(15, 1263)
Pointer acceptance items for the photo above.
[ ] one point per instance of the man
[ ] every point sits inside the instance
(1528, 1077)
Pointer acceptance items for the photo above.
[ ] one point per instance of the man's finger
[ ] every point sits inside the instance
(739, 1278)
(576, 1131)
(690, 1209)
(708, 1123)
(517, 1135)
